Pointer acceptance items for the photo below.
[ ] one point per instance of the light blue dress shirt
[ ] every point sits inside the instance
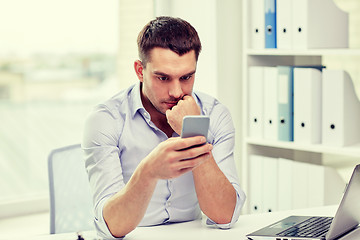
(119, 133)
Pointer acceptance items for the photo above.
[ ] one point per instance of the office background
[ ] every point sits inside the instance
(60, 58)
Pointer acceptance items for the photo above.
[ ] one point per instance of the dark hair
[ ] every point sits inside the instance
(169, 33)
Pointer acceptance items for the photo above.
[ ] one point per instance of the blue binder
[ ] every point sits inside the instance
(286, 103)
(270, 23)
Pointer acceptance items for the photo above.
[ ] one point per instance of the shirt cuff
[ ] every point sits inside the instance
(240, 199)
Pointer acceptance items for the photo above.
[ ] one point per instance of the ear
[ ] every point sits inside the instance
(139, 70)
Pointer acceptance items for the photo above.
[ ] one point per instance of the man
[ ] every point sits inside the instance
(141, 172)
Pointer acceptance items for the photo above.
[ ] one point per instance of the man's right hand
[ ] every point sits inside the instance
(173, 157)
(170, 159)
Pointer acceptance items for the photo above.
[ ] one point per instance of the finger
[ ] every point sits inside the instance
(193, 152)
(187, 97)
(184, 143)
(193, 162)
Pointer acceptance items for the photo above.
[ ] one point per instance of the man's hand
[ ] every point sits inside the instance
(186, 106)
(171, 158)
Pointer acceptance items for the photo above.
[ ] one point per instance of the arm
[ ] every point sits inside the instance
(119, 207)
(219, 194)
(125, 209)
(216, 195)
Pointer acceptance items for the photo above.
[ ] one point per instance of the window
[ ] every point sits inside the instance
(58, 59)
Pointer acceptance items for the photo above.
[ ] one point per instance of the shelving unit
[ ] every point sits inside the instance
(316, 153)
(308, 52)
(350, 151)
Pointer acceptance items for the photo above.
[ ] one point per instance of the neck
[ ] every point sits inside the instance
(158, 118)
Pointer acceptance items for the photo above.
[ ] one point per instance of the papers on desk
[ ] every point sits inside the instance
(282, 184)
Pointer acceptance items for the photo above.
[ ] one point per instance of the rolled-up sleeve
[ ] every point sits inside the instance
(101, 153)
(222, 136)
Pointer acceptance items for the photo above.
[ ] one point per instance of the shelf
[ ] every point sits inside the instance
(308, 52)
(352, 151)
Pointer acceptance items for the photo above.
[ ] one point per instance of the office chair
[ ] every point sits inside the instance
(71, 208)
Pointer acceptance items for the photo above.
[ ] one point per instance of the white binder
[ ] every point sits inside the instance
(325, 186)
(300, 185)
(285, 103)
(284, 26)
(270, 184)
(255, 102)
(307, 105)
(256, 183)
(341, 110)
(316, 188)
(270, 103)
(319, 24)
(334, 186)
(285, 184)
(257, 24)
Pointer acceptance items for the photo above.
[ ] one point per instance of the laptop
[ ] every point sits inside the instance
(346, 220)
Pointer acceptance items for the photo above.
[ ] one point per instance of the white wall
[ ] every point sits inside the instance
(201, 14)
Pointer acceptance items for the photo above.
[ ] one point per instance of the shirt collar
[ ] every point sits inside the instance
(135, 100)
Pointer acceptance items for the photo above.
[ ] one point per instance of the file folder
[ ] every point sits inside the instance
(325, 186)
(270, 103)
(341, 110)
(257, 24)
(300, 185)
(270, 23)
(284, 24)
(307, 105)
(319, 24)
(255, 102)
(285, 103)
(285, 184)
(256, 183)
(270, 184)
(316, 188)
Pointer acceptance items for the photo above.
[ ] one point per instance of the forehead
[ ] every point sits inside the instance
(169, 62)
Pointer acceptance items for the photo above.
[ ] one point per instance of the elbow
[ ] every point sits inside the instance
(117, 226)
(119, 230)
(223, 220)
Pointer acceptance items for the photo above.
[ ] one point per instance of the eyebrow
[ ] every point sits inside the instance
(167, 75)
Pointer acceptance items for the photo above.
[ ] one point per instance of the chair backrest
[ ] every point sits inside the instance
(71, 208)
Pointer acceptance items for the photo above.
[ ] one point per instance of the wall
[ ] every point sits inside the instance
(201, 14)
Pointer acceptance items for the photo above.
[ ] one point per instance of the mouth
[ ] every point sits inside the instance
(170, 105)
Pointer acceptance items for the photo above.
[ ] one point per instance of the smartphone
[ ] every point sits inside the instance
(195, 125)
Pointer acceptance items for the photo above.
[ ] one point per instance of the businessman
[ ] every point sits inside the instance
(141, 172)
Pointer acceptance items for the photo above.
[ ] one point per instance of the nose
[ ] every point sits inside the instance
(175, 89)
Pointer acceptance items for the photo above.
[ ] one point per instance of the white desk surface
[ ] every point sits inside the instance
(197, 229)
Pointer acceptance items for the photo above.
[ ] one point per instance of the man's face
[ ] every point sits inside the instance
(167, 78)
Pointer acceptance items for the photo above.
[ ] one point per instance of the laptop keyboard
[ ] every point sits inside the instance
(310, 228)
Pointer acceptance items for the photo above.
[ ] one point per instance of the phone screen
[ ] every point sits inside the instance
(195, 126)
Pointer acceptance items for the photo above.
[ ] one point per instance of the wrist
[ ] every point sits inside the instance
(146, 171)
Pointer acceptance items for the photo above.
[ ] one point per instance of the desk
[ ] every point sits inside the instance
(197, 229)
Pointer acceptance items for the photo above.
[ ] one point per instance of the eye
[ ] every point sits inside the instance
(163, 78)
(186, 77)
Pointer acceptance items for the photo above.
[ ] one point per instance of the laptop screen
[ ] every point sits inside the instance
(347, 216)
